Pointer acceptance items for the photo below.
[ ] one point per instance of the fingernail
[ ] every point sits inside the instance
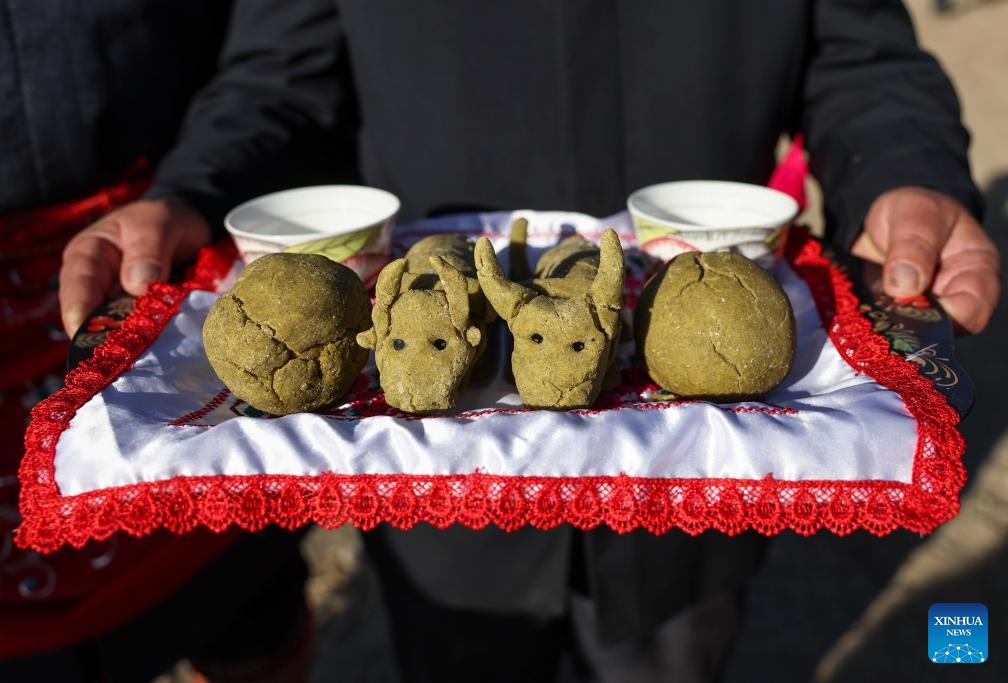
(904, 276)
(143, 272)
(73, 319)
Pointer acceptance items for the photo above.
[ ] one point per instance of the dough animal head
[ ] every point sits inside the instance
(428, 326)
(565, 321)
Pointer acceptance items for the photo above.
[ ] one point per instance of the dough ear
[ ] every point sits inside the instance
(607, 287)
(506, 297)
(456, 292)
(386, 292)
(473, 336)
(367, 339)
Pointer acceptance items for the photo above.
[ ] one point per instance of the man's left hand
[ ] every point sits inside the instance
(928, 241)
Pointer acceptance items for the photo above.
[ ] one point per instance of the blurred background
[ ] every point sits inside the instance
(824, 608)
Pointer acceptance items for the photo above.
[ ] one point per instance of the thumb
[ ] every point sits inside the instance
(146, 257)
(911, 229)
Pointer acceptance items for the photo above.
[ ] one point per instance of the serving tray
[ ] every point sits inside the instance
(861, 435)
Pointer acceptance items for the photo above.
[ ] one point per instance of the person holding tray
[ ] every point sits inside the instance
(93, 96)
(572, 106)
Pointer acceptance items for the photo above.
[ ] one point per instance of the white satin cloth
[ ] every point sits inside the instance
(825, 422)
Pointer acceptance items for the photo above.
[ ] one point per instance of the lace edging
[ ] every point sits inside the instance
(731, 506)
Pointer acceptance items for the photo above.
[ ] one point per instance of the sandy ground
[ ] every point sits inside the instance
(823, 608)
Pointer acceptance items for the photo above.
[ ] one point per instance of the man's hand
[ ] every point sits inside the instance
(136, 245)
(927, 240)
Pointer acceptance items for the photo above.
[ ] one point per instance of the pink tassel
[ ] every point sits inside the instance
(789, 176)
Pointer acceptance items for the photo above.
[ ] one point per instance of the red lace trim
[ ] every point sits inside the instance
(478, 499)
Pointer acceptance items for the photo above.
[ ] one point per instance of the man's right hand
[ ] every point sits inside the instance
(134, 245)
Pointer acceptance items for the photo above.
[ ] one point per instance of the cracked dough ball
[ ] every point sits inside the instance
(283, 339)
(715, 326)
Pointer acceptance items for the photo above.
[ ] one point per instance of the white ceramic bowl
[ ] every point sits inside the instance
(351, 224)
(710, 215)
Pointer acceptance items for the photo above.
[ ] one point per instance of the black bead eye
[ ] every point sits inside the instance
(398, 344)
(578, 346)
(536, 338)
(440, 344)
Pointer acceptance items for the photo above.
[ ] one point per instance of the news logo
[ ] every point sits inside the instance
(957, 633)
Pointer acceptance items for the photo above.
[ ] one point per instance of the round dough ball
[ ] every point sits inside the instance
(715, 326)
(283, 339)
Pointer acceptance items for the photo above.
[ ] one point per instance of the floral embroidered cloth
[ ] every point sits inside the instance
(145, 436)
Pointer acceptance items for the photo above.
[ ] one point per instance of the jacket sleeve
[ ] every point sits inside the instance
(278, 113)
(879, 113)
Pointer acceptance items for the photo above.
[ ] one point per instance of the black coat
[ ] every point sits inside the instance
(232, 98)
(572, 105)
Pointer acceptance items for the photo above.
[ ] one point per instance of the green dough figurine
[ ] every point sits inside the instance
(282, 338)
(715, 326)
(565, 320)
(430, 321)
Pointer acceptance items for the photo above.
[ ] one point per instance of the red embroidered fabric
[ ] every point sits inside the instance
(31, 247)
(475, 500)
(65, 597)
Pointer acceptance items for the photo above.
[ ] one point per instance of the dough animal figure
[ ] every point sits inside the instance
(565, 320)
(429, 324)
